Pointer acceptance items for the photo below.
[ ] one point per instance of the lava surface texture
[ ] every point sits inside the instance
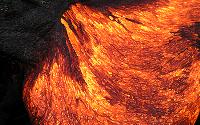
(133, 63)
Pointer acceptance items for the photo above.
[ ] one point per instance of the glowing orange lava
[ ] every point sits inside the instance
(127, 65)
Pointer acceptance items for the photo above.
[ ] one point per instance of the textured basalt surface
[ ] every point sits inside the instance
(28, 28)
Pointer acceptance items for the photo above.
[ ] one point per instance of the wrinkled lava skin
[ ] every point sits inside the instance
(135, 64)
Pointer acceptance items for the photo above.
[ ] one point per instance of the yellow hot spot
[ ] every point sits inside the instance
(89, 78)
(169, 8)
(92, 84)
(111, 18)
(145, 28)
(99, 57)
(96, 94)
(98, 25)
(137, 37)
(95, 60)
(178, 72)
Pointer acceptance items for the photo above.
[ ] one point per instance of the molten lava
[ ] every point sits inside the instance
(126, 65)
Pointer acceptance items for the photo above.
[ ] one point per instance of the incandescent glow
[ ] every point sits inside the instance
(125, 66)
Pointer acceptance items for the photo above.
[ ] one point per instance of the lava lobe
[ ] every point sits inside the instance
(124, 65)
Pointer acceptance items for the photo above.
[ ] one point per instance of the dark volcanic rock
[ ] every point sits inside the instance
(27, 28)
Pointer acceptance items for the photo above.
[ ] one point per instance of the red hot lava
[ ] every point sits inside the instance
(127, 65)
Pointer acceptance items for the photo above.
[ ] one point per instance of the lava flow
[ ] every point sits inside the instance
(128, 64)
